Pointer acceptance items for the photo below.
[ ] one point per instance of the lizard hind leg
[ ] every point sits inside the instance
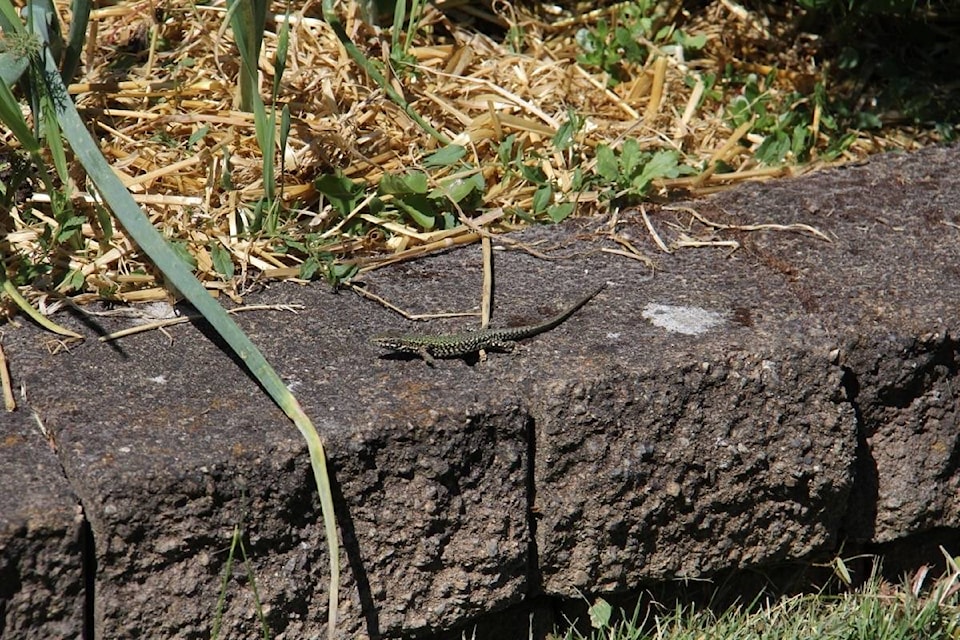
(427, 356)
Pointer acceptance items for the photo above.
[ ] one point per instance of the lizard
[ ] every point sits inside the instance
(454, 345)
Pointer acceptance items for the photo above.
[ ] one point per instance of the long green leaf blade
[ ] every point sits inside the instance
(152, 243)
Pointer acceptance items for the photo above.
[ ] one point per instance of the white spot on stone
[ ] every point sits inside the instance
(688, 320)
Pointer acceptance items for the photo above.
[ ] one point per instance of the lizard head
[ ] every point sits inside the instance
(392, 340)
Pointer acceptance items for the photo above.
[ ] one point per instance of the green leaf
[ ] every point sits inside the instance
(9, 20)
(226, 178)
(578, 180)
(280, 58)
(309, 268)
(523, 215)
(564, 138)
(420, 209)
(663, 164)
(338, 272)
(533, 173)
(75, 280)
(456, 189)
(331, 17)
(798, 144)
(600, 613)
(607, 164)
(560, 211)
(12, 293)
(197, 136)
(180, 249)
(505, 153)
(665, 32)
(688, 42)
(542, 198)
(631, 157)
(69, 227)
(247, 20)
(841, 571)
(342, 192)
(590, 45)
(867, 120)
(445, 157)
(408, 183)
(12, 66)
(773, 149)
(222, 261)
(12, 117)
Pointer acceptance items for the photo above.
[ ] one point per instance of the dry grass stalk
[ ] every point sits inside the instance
(179, 86)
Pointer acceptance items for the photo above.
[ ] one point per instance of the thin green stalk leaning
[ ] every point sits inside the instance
(331, 17)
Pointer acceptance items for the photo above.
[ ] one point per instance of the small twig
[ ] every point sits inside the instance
(796, 227)
(9, 402)
(168, 322)
(369, 264)
(630, 254)
(653, 232)
(362, 291)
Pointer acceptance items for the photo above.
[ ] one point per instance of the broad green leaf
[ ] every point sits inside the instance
(180, 248)
(69, 227)
(600, 613)
(456, 189)
(533, 173)
(773, 148)
(560, 211)
(222, 261)
(12, 66)
(340, 272)
(309, 268)
(342, 192)
(75, 280)
(663, 164)
(631, 157)
(542, 198)
(420, 209)
(404, 184)
(798, 144)
(445, 157)
(607, 164)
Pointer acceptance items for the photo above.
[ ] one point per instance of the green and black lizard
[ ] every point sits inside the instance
(454, 345)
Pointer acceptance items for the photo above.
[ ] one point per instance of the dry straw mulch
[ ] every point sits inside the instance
(159, 91)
